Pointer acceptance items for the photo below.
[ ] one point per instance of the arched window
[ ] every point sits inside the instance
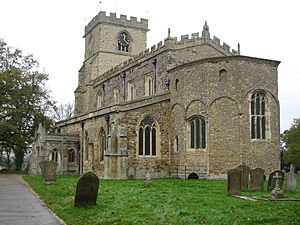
(197, 132)
(54, 156)
(222, 75)
(116, 96)
(175, 144)
(131, 91)
(176, 84)
(100, 99)
(71, 155)
(258, 115)
(148, 86)
(102, 137)
(147, 137)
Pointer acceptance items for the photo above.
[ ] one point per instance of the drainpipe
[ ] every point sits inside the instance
(82, 145)
(106, 118)
(123, 77)
(154, 62)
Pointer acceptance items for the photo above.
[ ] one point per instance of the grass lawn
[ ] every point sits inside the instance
(168, 201)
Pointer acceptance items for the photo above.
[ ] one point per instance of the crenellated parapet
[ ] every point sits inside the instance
(185, 41)
(112, 18)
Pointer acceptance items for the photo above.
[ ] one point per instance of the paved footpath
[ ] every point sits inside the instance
(20, 206)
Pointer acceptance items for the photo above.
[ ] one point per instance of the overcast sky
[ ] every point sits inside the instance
(52, 31)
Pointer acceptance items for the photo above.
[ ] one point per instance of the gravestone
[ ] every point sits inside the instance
(131, 172)
(48, 169)
(234, 180)
(87, 190)
(148, 180)
(257, 179)
(245, 176)
(272, 180)
(291, 180)
(277, 192)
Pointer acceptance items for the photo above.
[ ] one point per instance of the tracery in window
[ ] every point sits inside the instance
(197, 127)
(258, 115)
(147, 137)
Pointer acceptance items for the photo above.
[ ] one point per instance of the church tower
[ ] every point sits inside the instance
(108, 42)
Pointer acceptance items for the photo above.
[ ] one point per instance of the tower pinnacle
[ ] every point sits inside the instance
(205, 31)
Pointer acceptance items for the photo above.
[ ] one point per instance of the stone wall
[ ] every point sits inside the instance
(191, 77)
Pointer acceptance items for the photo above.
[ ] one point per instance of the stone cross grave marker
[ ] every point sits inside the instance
(257, 179)
(277, 192)
(87, 190)
(291, 180)
(272, 180)
(234, 177)
(245, 176)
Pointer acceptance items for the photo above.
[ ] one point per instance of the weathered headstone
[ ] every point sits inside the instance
(277, 192)
(49, 171)
(272, 180)
(131, 172)
(291, 180)
(257, 179)
(234, 177)
(87, 190)
(148, 180)
(245, 176)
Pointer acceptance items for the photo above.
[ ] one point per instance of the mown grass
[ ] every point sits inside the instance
(168, 201)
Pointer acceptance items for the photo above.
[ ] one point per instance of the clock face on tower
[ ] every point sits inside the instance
(123, 42)
(123, 39)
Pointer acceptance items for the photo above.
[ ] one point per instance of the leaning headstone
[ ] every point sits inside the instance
(245, 176)
(272, 180)
(291, 180)
(87, 190)
(234, 177)
(257, 179)
(49, 171)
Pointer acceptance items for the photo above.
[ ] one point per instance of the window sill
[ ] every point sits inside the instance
(197, 150)
(147, 157)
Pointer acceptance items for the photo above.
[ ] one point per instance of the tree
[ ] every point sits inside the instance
(24, 101)
(291, 139)
(62, 111)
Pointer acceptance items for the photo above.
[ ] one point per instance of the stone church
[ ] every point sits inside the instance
(188, 106)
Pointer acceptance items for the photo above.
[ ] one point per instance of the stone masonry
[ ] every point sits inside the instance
(184, 103)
